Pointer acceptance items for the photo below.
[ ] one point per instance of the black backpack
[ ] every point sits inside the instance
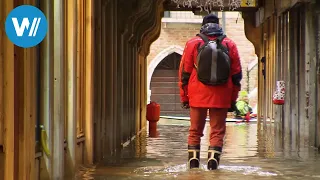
(213, 61)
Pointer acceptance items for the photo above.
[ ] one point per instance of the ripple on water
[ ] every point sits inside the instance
(181, 168)
(247, 155)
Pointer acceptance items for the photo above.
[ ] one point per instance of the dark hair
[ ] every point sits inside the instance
(210, 18)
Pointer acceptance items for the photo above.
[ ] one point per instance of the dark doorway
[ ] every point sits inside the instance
(164, 86)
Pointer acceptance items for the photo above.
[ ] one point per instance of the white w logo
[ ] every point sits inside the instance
(25, 25)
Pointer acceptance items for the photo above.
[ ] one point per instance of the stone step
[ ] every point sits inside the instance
(165, 90)
(183, 113)
(165, 73)
(165, 98)
(164, 84)
(164, 79)
(170, 106)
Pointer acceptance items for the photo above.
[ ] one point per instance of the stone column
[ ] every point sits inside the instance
(10, 172)
(58, 113)
(98, 73)
(116, 80)
(110, 116)
(71, 63)
(88, 97)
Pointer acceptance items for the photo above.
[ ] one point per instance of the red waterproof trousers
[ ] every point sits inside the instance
(217, 125)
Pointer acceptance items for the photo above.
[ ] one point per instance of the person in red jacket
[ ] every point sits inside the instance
(200, 97)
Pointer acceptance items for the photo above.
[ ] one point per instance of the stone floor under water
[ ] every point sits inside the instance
(248, 154)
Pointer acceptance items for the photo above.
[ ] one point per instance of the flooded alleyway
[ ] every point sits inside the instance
(247, 155)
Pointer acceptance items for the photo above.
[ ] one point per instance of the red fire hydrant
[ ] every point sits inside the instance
(153, 116)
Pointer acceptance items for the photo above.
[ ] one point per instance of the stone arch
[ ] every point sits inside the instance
(155, 61)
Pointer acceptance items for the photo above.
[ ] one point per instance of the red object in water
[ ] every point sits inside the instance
(153, 111)
(278, 102)
(247, 117)
(153, 116)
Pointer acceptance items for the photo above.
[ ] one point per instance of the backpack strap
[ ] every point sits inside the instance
(203, 37)
(206, 41)
(220, 38)
(219, 43)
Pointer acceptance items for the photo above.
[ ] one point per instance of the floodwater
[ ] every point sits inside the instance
(248, 154)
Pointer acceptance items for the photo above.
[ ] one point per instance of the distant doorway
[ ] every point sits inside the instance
(164, 86)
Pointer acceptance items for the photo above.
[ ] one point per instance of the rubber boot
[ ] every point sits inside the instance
(194, 156)
(214, 157)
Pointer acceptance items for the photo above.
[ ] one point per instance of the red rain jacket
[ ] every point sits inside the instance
(200, 95)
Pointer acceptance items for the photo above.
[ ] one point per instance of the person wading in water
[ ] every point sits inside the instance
(209, 78)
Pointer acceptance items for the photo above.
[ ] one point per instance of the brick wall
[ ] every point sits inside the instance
(178, 33)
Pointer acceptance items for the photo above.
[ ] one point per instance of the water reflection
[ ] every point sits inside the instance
(248, 154)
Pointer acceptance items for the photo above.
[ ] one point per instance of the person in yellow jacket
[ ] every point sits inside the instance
(242, 105)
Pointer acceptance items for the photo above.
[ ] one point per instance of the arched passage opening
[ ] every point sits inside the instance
(155, 61)
(164, 86)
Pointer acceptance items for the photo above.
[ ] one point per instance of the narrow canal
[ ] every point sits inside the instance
(248, 154)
